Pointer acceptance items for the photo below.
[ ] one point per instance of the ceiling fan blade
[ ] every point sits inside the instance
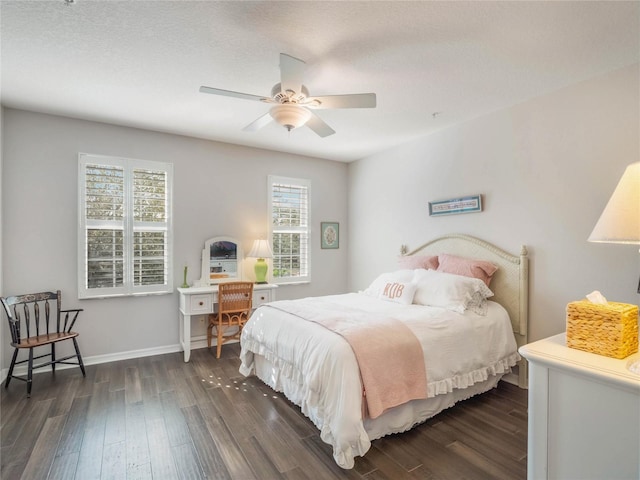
(355, 100)
(316, 124)
(229, 93)
(291, 73)
(258, 123)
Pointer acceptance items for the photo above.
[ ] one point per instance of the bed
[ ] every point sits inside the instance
(465, 354)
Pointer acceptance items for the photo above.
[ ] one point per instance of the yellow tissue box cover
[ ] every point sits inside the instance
(610, 329)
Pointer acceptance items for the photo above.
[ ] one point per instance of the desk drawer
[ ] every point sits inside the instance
(202, 303)
(260, 297)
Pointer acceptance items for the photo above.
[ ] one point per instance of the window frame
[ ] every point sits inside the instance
(128, 225)
(298, 182)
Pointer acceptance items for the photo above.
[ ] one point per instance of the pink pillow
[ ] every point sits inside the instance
(468, 267)
(428, 262)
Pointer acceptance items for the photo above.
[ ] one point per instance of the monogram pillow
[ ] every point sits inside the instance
(382, 286)
(398, 292)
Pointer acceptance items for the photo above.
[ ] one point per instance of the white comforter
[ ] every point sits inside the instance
(316, 368)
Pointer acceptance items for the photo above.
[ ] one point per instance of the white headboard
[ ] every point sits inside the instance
(510, 283)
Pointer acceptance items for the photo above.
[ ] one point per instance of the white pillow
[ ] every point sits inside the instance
(453, 292)
(393, 286)
(378, 285)
(398, 292)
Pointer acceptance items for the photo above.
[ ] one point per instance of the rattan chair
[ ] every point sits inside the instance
(234, 309)
(30, 330)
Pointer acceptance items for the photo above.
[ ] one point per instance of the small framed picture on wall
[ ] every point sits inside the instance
(330, 232)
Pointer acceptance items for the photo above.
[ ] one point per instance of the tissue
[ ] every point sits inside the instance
(597, 297)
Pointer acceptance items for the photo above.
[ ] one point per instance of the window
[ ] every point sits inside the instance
(289, 225)
(124, 234)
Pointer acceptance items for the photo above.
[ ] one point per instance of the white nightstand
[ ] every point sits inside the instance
(584, 414)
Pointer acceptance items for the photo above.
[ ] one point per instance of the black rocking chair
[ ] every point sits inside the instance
(29, 330)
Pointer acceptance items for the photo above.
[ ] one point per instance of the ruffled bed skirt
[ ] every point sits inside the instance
(284, 377)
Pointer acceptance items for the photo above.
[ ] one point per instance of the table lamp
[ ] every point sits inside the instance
(620, 220)
(261, 250)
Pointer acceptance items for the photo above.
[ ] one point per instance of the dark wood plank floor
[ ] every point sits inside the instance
(158, 417)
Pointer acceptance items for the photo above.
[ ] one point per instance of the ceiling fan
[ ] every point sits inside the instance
(293, 107)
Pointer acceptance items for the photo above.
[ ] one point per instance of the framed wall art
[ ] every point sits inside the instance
(330, 235)
(470, 204)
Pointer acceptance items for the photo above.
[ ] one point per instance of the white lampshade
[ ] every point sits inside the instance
(260, 249)
(290, 116)
(620, 220)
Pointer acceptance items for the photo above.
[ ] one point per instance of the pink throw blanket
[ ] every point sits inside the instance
(389, 355)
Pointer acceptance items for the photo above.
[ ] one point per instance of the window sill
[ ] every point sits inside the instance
(123, 295)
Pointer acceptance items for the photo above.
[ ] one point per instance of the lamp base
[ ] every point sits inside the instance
(261, 271)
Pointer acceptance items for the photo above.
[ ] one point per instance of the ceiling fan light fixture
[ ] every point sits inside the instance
(290, 116)
(293, 105)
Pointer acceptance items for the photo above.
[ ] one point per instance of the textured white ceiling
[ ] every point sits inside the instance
(140, 63)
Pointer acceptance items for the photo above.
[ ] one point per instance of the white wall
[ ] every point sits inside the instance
(219, 189)
(546, 169)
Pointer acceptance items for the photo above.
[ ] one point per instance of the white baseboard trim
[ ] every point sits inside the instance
(511, 378)
(196, 342)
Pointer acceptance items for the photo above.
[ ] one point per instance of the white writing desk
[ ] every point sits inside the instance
(202, 301)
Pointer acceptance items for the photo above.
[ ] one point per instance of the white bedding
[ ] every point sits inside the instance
(316, 368)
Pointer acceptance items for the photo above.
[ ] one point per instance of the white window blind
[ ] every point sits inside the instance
(125, 234)
(289, 200)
